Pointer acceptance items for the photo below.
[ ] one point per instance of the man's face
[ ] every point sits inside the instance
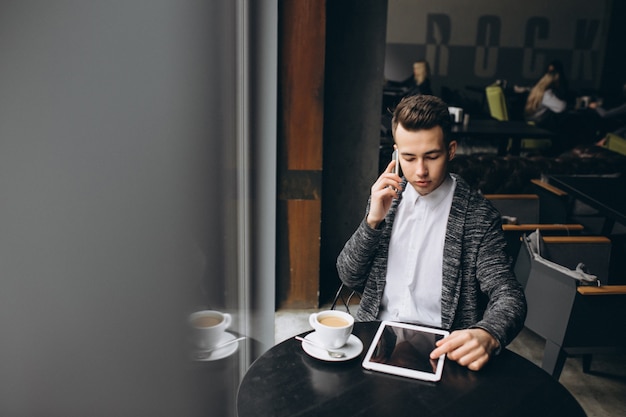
(419, 71)
(423, 157)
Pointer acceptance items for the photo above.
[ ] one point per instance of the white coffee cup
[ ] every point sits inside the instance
(584, 101)
(209, 327)
(456, 114)
(333, 327)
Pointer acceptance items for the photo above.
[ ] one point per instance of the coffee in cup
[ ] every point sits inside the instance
(209, 327)
(332, 327)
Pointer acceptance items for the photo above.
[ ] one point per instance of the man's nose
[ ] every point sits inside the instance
(421, 169)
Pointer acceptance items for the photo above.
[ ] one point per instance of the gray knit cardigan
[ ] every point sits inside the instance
(479, 288)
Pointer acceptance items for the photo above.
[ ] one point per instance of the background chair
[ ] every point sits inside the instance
(615, 143)
(523, 211)
(346, 296)
(513, 234)
(524, 208)
(573, 319)
(496, 101)
(553, 202)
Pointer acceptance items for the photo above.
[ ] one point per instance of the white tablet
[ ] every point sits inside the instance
(404, 349)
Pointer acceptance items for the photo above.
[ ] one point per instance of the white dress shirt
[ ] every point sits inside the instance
(414, 267)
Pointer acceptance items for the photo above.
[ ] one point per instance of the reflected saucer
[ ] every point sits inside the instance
(351, 349)
(220, 353)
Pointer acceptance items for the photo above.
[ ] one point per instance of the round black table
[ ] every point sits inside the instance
(285, 381)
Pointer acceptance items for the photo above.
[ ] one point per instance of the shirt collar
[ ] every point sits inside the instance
(433, 199)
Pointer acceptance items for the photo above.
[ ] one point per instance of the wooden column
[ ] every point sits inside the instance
(300, 138)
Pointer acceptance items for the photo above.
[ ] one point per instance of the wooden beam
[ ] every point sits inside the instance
(511, 196)
(302, 31)
(602, 290)
(531, 227)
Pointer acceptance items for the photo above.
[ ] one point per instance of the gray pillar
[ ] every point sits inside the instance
(355, 53)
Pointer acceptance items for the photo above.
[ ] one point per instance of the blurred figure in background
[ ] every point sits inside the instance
(561, 89)
(543, 103)
(547, 108)
(614, 119)
(559, 93)
(420, 82)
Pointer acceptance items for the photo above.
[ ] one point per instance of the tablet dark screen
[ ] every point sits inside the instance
(406, 348)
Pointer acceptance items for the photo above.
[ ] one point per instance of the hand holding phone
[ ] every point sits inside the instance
(382, 198)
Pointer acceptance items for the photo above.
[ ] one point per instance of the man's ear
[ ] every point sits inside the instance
(451, 150)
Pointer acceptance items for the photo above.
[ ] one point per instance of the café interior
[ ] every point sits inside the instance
(163, 158)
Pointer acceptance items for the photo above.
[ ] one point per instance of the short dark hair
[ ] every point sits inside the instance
(422, 112)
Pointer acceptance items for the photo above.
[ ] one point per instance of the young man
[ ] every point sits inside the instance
(430, 250)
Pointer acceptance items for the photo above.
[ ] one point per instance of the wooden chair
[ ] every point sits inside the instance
(526, 210)
(594, 251)
(553, 202)
(523, 207)
(557, 205)
(548, 204)
(513, 233)
(573, 319)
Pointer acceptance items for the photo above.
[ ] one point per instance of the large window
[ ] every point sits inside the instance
(137, 174)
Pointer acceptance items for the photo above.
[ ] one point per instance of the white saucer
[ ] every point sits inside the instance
(351, 349)
(220, 353)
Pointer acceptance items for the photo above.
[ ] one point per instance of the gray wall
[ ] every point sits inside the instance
(355, 47)
(478, 42)
(124, 151)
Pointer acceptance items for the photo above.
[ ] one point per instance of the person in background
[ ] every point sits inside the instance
(543, 103)
(421, 79)
(547, 110)
(430, 250)
(418, 83)
(561, 89)
(614, 119)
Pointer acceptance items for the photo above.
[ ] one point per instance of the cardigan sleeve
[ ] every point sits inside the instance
(506, 309)
(354, 261)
